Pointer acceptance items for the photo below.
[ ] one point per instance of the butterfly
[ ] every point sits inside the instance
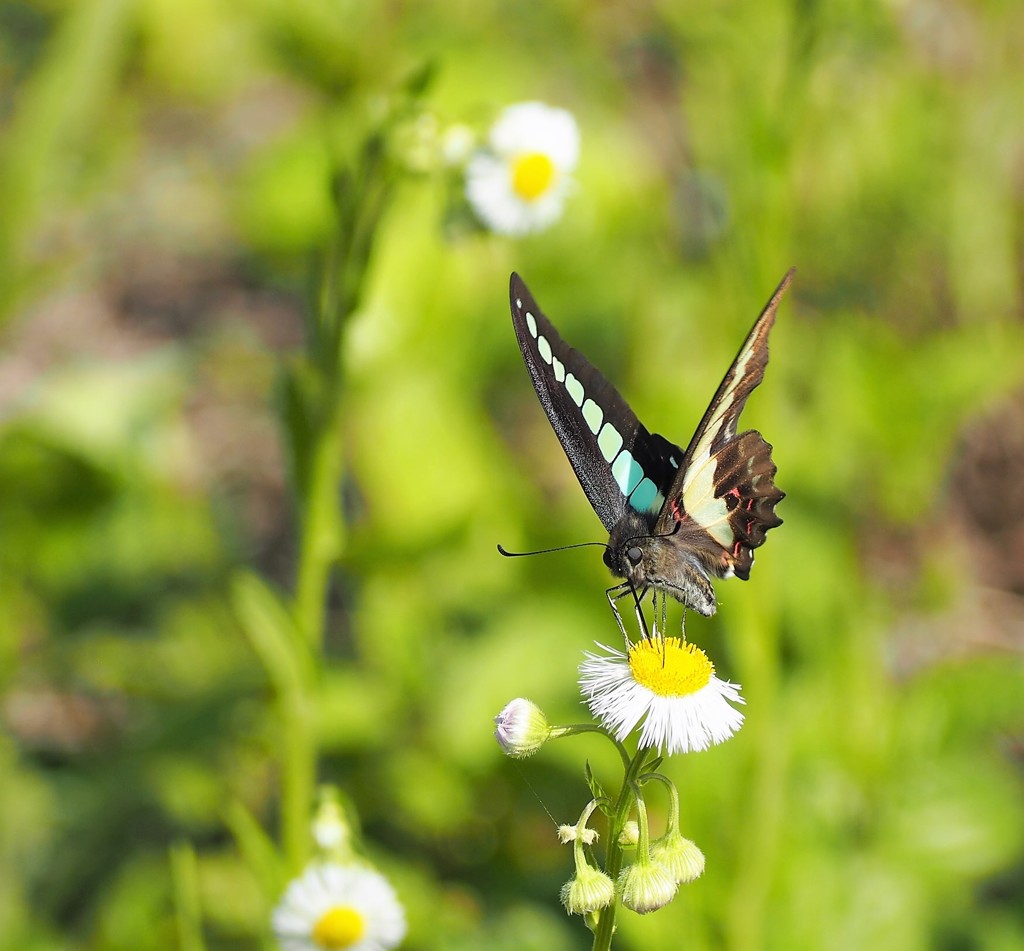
(675, 518)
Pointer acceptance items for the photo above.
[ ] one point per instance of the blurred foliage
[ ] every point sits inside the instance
(165, 197)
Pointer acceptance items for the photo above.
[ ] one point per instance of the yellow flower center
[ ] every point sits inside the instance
(532, 175)
(338, 928)
(670, 667)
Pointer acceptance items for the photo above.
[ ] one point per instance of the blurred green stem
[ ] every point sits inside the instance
(298, 777)
(360, 197)
(322, 532)
(613, 852)
(185, 882)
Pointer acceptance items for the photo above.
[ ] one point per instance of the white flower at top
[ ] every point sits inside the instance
(334, 907)
(670, 685)
(520, 182)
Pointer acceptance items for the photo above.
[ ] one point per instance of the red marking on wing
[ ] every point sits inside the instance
(677, 513)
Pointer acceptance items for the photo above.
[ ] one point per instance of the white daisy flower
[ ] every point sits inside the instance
(519, 185)
(334, 907)
(669, 684)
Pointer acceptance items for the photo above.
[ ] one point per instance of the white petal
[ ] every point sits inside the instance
(536, 127)
(672, 724)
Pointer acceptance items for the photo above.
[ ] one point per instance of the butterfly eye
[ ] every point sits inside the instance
(635, 555)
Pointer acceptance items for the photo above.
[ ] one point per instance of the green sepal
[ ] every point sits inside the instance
(597, 790)
(654, 764)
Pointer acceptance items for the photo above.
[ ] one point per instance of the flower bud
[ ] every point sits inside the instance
(457, 143)
(630, 835)
(587, 891)
(331, 830)
(646, 887)
(521, 728)
(679, 856)
(567, 834)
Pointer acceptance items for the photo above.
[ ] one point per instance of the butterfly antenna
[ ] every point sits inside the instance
(548, 551)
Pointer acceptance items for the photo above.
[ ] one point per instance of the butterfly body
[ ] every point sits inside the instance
(676, 519)
(680, 564)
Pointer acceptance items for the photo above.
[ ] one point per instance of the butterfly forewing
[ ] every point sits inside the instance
(617, 461)
(726, 483)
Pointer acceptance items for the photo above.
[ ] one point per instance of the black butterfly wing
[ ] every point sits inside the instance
(617, 461)
(726, 485)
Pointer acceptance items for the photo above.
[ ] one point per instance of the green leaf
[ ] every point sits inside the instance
(273, 634)
(258, 850)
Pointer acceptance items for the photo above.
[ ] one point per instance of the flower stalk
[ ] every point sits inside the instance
(313, 410)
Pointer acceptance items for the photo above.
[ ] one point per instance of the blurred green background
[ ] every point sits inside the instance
(164, 199)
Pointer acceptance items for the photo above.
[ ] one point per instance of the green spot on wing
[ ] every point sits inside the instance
(646, 497)
(545, 348)
(575, 389)
(609, 442)
(627, 472)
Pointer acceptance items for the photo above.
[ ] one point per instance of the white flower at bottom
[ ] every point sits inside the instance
(339, 908)
(520, 183)
(670, 685)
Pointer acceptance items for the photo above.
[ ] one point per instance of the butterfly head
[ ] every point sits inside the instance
(669, 562)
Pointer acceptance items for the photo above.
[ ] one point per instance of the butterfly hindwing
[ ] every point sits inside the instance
(618, 462)
(726, 483)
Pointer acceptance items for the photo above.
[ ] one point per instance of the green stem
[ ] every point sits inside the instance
(577, 728)
(187, 906)
(673, 794)
(322, 529)
(298, 778)
(613, 852)
(319, 548)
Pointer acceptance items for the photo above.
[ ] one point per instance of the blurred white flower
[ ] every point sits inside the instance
(457, 143)
(670, 685)
(331, 831)
(520, 182)
(339, 908)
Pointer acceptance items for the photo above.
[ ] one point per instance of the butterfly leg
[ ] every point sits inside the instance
(640, 619)
(615, 594)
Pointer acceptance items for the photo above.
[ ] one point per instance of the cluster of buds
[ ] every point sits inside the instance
(658, 868)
